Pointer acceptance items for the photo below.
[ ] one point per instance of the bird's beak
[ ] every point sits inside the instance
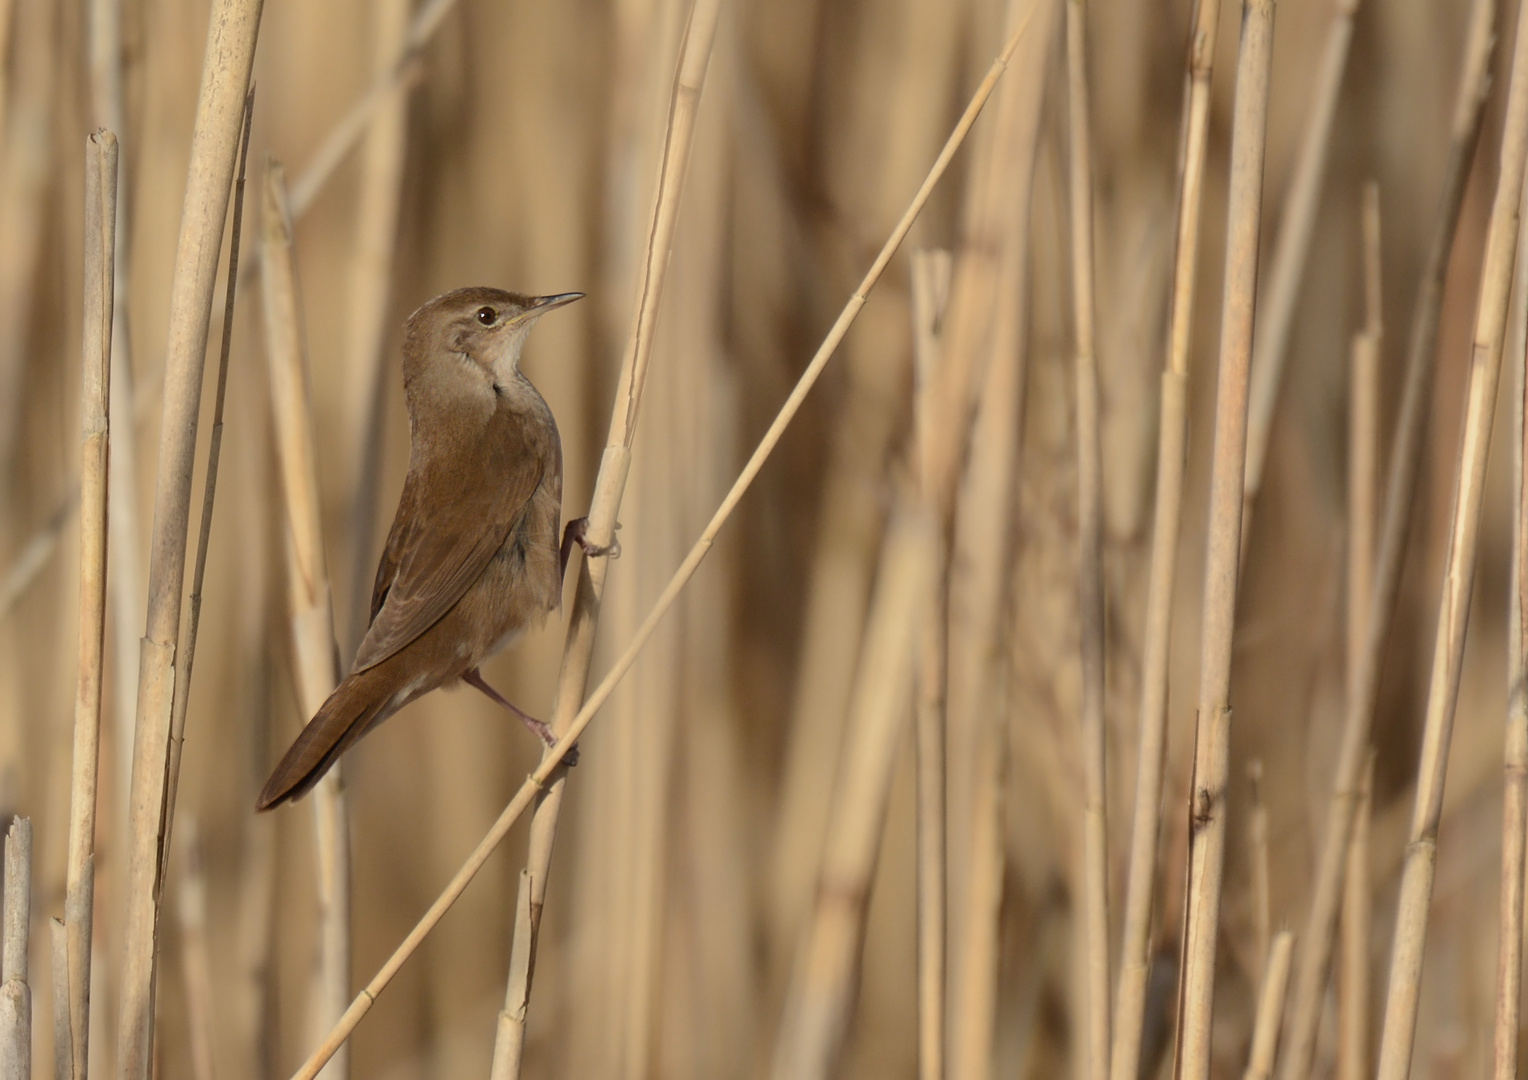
(542, 304)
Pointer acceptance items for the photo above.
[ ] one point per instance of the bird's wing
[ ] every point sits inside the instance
(449, 524)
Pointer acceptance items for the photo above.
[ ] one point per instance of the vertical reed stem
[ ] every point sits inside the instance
(931, 283)
(95, 458)
(1172, 438)
(1094, 861)
(1270, 1007)
(315, 658)
(1207, 809)
(15, 994)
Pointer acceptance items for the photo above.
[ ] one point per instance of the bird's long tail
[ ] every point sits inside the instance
(358, 704)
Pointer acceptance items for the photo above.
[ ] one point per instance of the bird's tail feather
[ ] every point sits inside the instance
(357, 705)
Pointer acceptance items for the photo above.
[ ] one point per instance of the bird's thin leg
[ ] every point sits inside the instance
(474, 677)
(577, 532)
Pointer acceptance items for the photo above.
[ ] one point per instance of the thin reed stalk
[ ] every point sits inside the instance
(609, 487)
(1363, 439)
(95, 458)
(1514, 835)
(1207, 795)
(1094, 924)
(1257, 840)
(1315, 940)
(314, 654)
(231, 37)
(1486, 348)
(980, 566)
(1172, 438)
(817, 1003)
(1270, 1007)
(551, 761)
(1357, 919)
(15, 993)
(63, 1042)
(1363, 471)
(187, 658)
(1291, 249)
(930, 293)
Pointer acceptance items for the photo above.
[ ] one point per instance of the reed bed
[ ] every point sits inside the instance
(1035, 540)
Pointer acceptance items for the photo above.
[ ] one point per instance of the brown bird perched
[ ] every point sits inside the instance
(473, 557)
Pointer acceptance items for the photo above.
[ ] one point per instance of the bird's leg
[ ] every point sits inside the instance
(474, 677)
(577, 532)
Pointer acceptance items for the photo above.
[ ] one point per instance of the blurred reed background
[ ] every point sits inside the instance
(741, 814)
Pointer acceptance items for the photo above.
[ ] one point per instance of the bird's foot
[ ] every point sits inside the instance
(473, 677)
(577, 532)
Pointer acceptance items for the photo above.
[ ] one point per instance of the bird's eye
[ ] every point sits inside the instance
(487, 316)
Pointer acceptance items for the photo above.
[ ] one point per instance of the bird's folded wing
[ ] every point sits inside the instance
(447, 529)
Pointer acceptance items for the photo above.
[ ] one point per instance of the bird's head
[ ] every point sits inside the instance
(477, 332)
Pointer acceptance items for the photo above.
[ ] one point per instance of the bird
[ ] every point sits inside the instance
(473, 557)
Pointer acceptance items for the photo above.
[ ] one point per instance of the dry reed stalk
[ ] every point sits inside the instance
(15, 994)
(1207, 805)
(1257, 840)
(1363, 471)
(187, 658)
(1514, 839)
(196, 968)
(1291, 247)
(1357, 919)
(63, 1042)
(930, 292)
(1172, 438)
(1094, 924)
(979, 569)
(817, 1003)
(1485, 368)
(371, 275)
(551, 761)
(982, 342)
(214, 151)
(974, 987)
(1270, 1007)
(126, 592)
(1315, 940)
(1363, 437)
(609, 487)
(315, 659)
(95, 457)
